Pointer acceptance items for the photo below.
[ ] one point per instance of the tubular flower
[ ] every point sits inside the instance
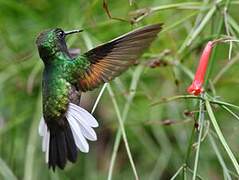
(196, 87)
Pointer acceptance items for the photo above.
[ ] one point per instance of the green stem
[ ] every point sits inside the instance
(231, 112)
(221, 103)
(198, 30)
(6, 172)
(189, 146)
(219, 156)
(123, 131)
(212, 61)
(31, 146)
(134, 83)
(201, 121)
(221, 137)
(99, 97)
(177, 173)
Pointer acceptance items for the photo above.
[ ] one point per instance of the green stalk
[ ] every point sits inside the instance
(212, 61)
(31, 146)
(220, 136)
(6, 172)
(177, 173)
(133, 87)
(198, 30)
(123, 131)
(219, 156)
(231, 112)
(201, 122)
(165, 100)
(99, 97)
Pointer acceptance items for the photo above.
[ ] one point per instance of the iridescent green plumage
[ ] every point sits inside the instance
(58, 80)
(65, 77)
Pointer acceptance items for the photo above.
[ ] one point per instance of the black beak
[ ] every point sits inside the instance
(73, 31)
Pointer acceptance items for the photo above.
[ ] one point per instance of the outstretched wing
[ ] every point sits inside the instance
(111, 59)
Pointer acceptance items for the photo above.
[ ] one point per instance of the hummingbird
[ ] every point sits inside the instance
(65, 127)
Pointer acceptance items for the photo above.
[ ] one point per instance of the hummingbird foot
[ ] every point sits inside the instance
(81, 124)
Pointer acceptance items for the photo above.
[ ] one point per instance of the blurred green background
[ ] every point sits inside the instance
(161, 137)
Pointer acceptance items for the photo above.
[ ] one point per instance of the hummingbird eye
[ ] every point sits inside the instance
(60, 34)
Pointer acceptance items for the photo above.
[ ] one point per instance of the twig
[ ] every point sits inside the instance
(106, 8)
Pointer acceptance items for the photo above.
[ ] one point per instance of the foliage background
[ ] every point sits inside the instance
(158, 150)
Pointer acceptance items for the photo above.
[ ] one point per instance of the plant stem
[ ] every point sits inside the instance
(133, 87)
(111, 93)
(177, 173)
(201, 122)
(98, 98)
(219, 156)
(221, 137)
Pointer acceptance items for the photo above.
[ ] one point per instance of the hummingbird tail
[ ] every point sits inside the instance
(58, 144)
(61, 147)
(61, 143)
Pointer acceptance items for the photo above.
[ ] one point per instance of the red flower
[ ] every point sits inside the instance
(196, 87)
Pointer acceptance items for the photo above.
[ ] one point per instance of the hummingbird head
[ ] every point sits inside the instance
(50, 42)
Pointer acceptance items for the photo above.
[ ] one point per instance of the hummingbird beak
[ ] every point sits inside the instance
(73, 31)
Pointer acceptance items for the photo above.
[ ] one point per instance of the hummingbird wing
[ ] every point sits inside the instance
(111, 59)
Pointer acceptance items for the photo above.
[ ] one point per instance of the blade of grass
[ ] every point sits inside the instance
(177, 23)
(199, 28)
(224, 103)
(6, 172)
(184, 69)
(111, 93)
(231, 112)
(183, 5)
(189, 148)
(211, 64)
(233, 23)
(219, 156)
(160, 166)
(140, 14)
(220, 136)
(89, 46)
(225, 14)
(32, 141)
(132, 91)
(225, 68)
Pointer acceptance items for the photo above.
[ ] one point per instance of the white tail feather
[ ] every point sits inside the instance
(87, 131)
(47, 146)
(42, 127)
(80, 141)
(91, 121)
(81, 123)
(44, 141)
(43, 131)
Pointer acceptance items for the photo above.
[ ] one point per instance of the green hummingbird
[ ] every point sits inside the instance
(65, 127)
